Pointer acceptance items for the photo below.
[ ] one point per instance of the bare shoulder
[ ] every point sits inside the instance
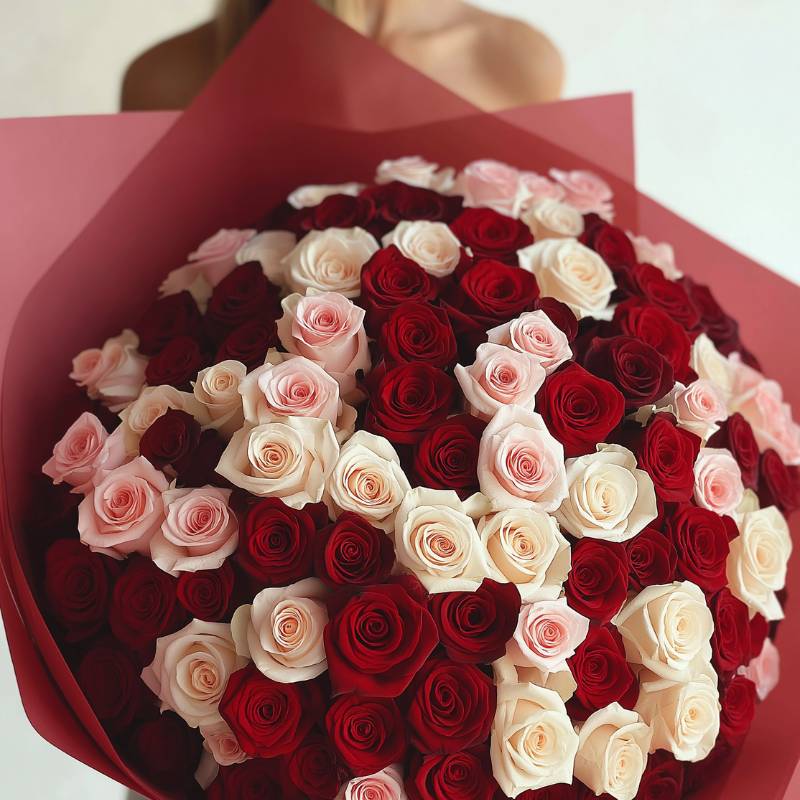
(170, 74)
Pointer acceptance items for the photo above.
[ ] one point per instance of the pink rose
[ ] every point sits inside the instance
(586, 191)
(717, 481)
(384, 785)
(764, 670)
(499, 377)
(659, 254)
(699, 407)
(535, 333)
(199, 532)
(216, 257)
(123, 510)
(519, 463)
(327, 329)
(415, 171)
(536, 187)
(547, 634)
(492, 184)
(220, 748)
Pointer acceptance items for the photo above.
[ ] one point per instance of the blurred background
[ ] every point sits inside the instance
(716, 136)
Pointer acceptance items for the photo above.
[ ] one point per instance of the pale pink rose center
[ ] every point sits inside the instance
(204, 677)
(125, 502)
(369, 488)
(546, 635)
(273, 459)
(523, 468)
(82, 446)
(503, 379)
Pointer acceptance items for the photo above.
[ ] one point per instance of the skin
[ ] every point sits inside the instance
(492, 61)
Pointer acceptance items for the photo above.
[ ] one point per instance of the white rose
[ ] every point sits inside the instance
(432, 245)
(313, 194)
(535, 333)
(562, 682)
(718, 481)
(415, 171)
(607, 496)
(281, 632)
(757, 561)
(572, 273)
(290, 459)
(330, 261)
(667, 629)
(699, 407)
(533, 741)
(711, 365)
(549, 219)
(268, 248)
(368, 480)
(612, 752)
(217, 388)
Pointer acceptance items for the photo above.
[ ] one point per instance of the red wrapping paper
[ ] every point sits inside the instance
(280, 113)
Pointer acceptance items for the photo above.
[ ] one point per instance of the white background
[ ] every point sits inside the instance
(717, 123)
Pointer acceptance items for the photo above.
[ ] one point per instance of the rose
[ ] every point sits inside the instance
(414, 171)
(169, 317)
(607, 496)
(397, 202)
(535, 333)
(368, 733)
(432, 245)
(520, 464)
(717, 481)
(720, 327)
(171, 439)
(190, 670)
(251, 779)
(386, 784)
(196, 468)
(313, 194)
(736, 435)
(268, 248)
(571, 273)
(638, 370)
(217, 388)
(700, 538)
(499, 377)
(611, 244)
(216, 256)
(526, 547)
(491, 235)
(290, 460)
(699, 407)
(407, 400)
(378, 640)
(671, 297)
(652, 558)
(533, 741)
(418, 332)
(709, 363)
(757, 561)
(220, 743)
(663, 778)
(337, 211)
(353, 552)
(249, 343)
(684, 717)
(506, 672)
(612, 752)
(281, 632)
(585, 190)
(547, 634)
(730, 643)
(580, 409)
(550, 219)
(778, 485)
(492, 184)
(667, 629)
(313, 768)
(176, 364)
(597, 584)
(763, 669)
(660, 254)
(738, 709)
(447, 456)
(602, 675)
(450, 707)
(329, 260)
(205, 594)
(462, 776)
(270, 719)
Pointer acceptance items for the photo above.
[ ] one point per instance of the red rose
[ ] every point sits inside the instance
(451, 707)
(597, 584)
(254, 779)
(561, 315)
(475, 626)
(778, 484)
(249, 343)
(407, 400)
(388, 280)
(78, 585)
(601, 673)
(368, 732)
(269, 718)
(701, 541)
(736, 435)
(418, 331)
(560, 791)
(176, 364)
(580, 409)
(313, 769)
(638, 370)
(721, 328)
(205, 594)
(730, 642)
(662, 779)
(738, 702)
(456, 776)
(609, 242)
(652, 559)
(337, 211)
(198, 466)
(377, 641)
(167, 752)
(351, 552)
(171, 316)
(397, 201)
(490, 234)
(700, 773)
(276, 543)
(759, 630)
(653, 326)
(447, 456)
(171, 438)
(668, 295)
(667, 454)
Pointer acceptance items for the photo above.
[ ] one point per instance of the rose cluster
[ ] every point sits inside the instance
(441, 487)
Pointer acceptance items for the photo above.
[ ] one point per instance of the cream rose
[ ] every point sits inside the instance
(290, 459)
(217, 390)
(432, 245)
(368, 480)
(535, 333)
(313, 194)
(329, 261)
(612, 752)
(415, 171)
(764, 670)
(607, 497)
(711, 365)
(562, 682)
(550, 219)
(188, 278)
(281, 632)
(384, 785)
(585, 191)
(718, 481)
(526, 548)
(533, 742)
(757, 561)
(699, 407)
(519, 463)
(667, 629)
(190, 670)
(659, 254)
(268, 248)
(572, 273)
(215, 258)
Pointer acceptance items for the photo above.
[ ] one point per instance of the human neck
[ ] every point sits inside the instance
(388, 18)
